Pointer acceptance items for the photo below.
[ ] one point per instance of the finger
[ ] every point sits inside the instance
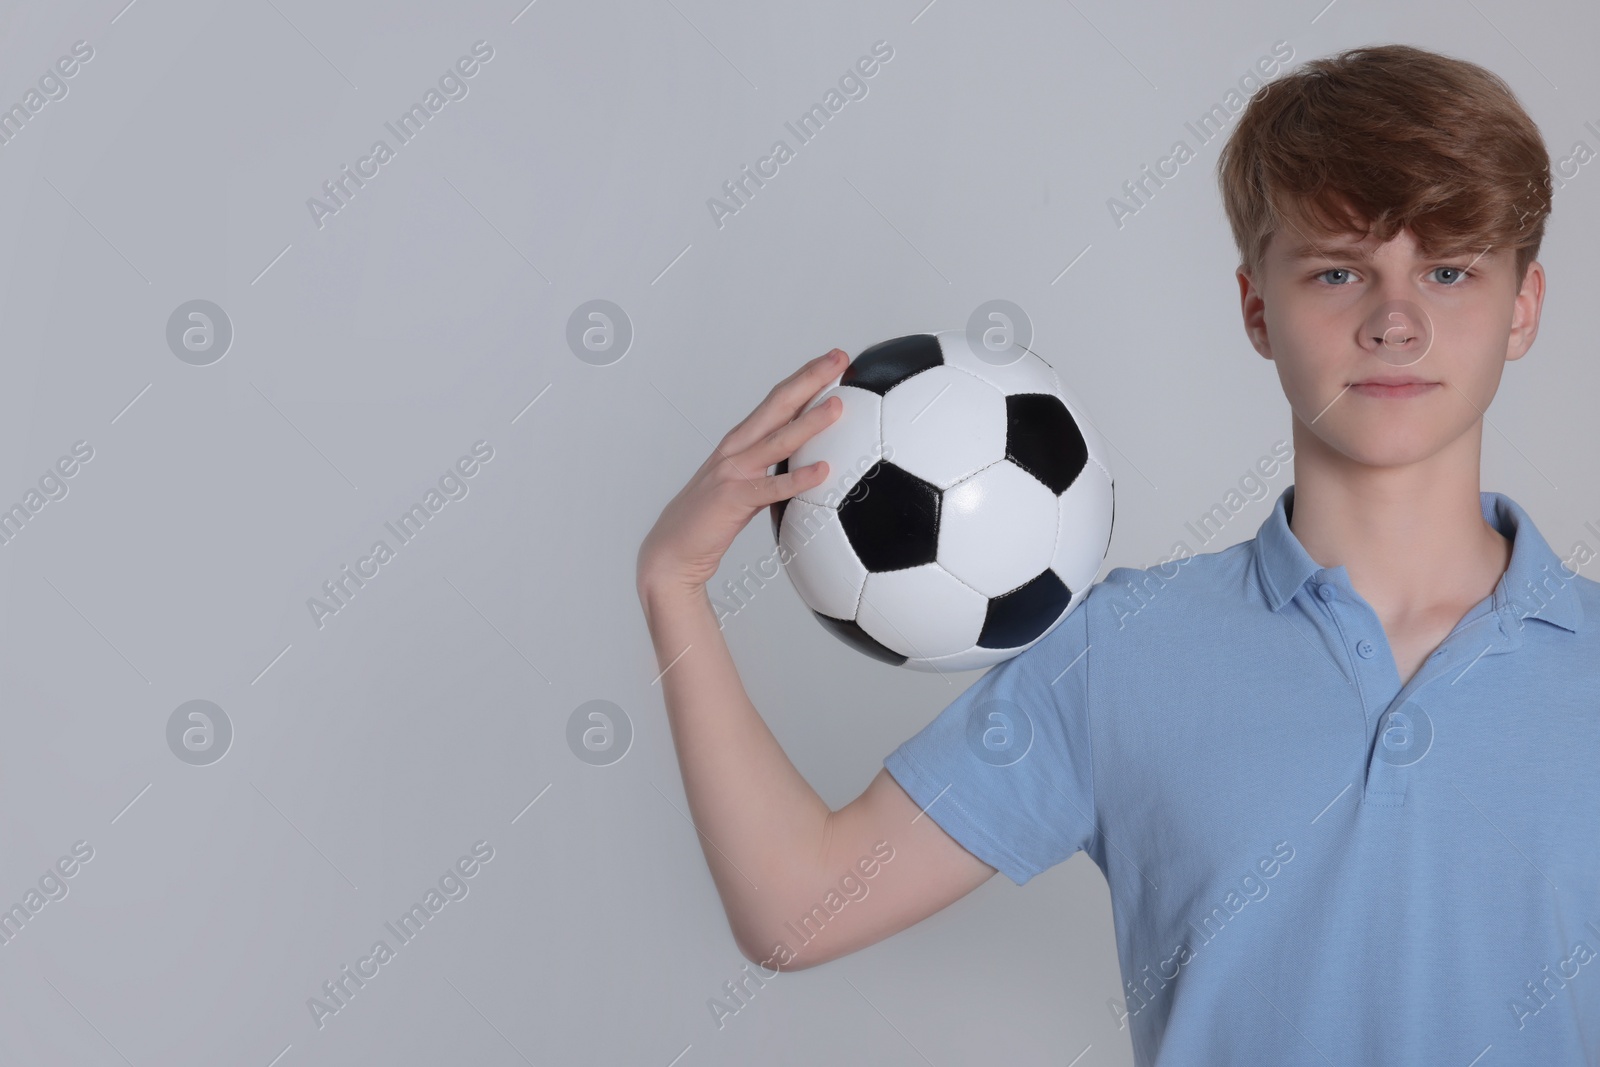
(775, 487)
(785, 401)
(788, 397)
(782, 442)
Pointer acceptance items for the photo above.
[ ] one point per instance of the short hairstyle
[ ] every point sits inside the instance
(1382, 138)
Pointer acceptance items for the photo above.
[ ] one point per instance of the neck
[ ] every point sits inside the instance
(1410, 537)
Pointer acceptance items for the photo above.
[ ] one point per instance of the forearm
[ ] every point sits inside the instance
(761, 824)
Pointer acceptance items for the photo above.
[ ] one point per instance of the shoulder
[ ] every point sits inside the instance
(1172, 588)
(1588, 591)
(1588, 588)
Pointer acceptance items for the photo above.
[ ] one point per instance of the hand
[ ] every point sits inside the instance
(696, 527)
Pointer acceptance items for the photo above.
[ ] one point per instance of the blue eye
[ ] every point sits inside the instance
(1459, 270)
(1333, 270)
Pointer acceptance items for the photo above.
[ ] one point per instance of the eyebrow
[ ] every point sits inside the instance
(1309, 251)
(1345, 250)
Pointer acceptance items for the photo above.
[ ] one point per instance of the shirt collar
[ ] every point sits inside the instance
(1535, 585)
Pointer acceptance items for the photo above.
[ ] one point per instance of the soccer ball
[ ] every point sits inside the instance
(967, 510)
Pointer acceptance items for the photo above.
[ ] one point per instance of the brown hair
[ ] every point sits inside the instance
(1383, 138)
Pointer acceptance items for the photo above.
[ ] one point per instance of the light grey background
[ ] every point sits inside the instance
(372, 352)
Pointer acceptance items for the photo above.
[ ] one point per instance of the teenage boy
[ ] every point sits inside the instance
(1343, 779)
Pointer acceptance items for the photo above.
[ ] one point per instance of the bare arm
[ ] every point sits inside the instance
(928, 871)
(773, 846)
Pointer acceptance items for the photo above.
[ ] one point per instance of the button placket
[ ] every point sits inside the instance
(1405, 730)
(1391, 737)
(1403, 737)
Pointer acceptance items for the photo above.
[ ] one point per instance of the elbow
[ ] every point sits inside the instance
(748, 946)
(754, 952)
(771, 957)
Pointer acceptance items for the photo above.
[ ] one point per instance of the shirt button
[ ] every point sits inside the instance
(1326, 591)
(1365, 649)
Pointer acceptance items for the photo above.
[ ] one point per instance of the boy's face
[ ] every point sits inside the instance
(1337, 314)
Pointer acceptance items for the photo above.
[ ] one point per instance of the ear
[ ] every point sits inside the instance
(1525, 312)
(1254, 309)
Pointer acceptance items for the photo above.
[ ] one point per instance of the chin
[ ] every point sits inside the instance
(1391, 454)
(1385, 446)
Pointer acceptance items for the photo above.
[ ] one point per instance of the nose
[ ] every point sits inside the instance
(1399, 331)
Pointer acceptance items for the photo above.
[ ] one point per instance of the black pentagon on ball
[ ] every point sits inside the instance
(1017, 617)
(851, 633)
(1043, 439)
(891, 518)
(888, 363)
(777, 507)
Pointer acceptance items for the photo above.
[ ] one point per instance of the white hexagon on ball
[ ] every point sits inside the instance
(821, 563)
(1086, 514)
(921, 612)
(944, 424)
(850, 444)
(1030, 374)
(997, 529)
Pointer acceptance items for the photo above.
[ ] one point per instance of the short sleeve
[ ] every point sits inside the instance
(1007, 768)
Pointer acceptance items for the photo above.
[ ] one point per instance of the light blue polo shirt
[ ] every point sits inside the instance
(1308, 863)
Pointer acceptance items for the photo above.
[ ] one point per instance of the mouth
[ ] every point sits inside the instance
(1393, 388)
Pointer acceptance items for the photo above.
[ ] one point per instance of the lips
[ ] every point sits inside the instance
(1403, 380)
(1393, 390)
